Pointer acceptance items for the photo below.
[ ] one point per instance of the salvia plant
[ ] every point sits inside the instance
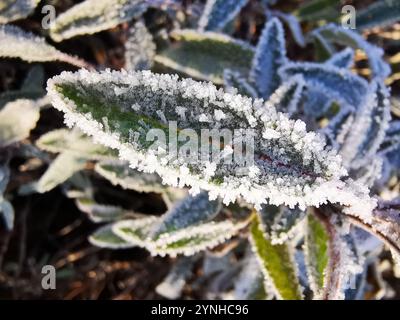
(303, 217)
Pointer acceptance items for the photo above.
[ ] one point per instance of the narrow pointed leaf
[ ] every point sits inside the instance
(217, 13)
(269, 57)
(316, 254)
(119, 173)
(140, 49)
(31, 48)
(75, 142)
(91, 16)
(100, 212)
(277, 264)
(104, 237)
(60, 170)
(190, 211)
(210, 54)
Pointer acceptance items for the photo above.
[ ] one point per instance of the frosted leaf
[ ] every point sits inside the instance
(210, 54)
(187, 241)
(190, 211)
(316, 254)
(100, 212)
(196, 238)
(340, 84)
(269, 57)
(91, 16)
(277, 265)
(104, 237)
(342, 59)
(294, 26)
(60, 170)
(139, 48)
(11, 10)
(286, 98)
(217, 13)
(17, 119)
(295, 169)
(368, 128)
(234, 82)
(7, 213)
(350, 38)
(172, 285)
(75, 142)
(378, 14)
(249, 283)
(119, 173)
(280, 224)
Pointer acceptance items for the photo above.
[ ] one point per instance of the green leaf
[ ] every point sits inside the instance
(106, 238)
(31, 48)
(60, 170)
(318, 10)
(75, 142)
(17, 119)
(11, 10)
(100, 212)
(119, 173)
(138, 112)
(277, 264)
(187, 241)
(93, 16)
(210, 53)
(378, 14)
(190, 211)
(316, 254)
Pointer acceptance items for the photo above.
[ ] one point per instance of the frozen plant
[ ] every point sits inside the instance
(321, 136)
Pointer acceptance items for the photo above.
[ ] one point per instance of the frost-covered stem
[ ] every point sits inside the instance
(369, 228)
(332, 283)
(75, 61)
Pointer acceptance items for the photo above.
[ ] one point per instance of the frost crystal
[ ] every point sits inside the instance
(139, 48)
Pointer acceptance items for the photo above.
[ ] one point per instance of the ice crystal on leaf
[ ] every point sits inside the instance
(139, 48)
(295, 169)
(31, 48)
(91, 16)
(269, 57)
